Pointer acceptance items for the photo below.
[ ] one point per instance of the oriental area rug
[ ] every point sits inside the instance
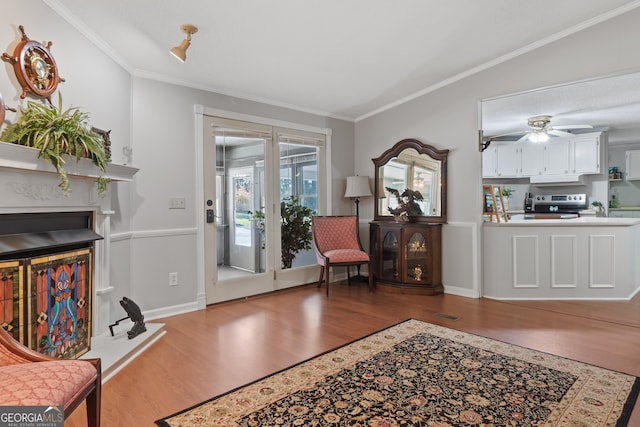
(419, 374)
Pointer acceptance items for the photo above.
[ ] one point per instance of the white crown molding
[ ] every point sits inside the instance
(504, 58)
(75, 22)
(109, 51)
(235, 94)
(88, 33)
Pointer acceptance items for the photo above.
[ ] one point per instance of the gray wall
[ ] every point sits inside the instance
(448, 118)
(163, 128)
(156, 120)
(103, 89)
(95, 84)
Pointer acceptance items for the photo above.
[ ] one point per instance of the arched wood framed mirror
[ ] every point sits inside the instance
(417, 167)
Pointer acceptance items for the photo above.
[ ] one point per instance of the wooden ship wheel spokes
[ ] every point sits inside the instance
(35, 67)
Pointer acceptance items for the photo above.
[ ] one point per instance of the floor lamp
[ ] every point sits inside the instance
(358, 186)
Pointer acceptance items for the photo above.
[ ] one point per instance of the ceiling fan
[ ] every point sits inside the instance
(541, 129)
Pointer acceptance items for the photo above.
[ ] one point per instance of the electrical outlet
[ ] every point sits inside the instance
(173, 279)
(177, 203)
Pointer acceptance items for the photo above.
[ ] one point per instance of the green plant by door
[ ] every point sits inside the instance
(295, 226)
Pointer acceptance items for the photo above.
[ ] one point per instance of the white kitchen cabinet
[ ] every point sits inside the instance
(577, 155)
(490, 162)
(501, 160)
(508, 160)
(633, 164)
(532, 159)
(586, 154)
(558, 156)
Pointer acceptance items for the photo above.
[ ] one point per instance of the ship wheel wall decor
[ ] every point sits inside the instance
(35, 67)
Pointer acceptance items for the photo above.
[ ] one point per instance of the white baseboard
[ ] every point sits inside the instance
(463, 292)
(170, 311)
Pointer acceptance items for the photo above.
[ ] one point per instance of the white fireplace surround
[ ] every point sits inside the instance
(29, 184)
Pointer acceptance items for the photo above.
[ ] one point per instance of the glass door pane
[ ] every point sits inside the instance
(242, 199)
(299, 184)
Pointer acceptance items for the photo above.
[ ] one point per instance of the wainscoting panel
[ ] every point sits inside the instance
(525, 262)
(530, 261)
(564, 262)
(602, 261)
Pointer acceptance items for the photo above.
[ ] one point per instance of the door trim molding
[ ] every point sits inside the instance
(215, 112)
(199, 112)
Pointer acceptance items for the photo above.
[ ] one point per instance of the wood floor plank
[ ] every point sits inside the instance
(212, 351)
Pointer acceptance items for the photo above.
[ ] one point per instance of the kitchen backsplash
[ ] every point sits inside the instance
(595, 188)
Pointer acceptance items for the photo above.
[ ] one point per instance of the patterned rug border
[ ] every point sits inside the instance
(625, 414)
(161, 422)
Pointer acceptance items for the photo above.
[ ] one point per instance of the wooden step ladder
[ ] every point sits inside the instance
(493, 203)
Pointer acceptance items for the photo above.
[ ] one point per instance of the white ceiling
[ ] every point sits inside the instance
(343, 58)
(610, 103)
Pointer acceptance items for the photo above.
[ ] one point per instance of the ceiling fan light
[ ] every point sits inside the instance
(538, 137)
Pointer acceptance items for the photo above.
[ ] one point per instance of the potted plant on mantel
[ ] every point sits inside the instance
(58, 133)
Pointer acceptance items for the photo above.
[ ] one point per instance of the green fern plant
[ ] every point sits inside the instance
(56, 133)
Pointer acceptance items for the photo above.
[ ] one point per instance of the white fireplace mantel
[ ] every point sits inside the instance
(20, 157)
(29, 184)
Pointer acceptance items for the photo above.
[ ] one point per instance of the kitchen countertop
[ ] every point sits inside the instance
(519, 221)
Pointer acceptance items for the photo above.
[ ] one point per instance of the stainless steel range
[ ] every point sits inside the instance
(557, 206)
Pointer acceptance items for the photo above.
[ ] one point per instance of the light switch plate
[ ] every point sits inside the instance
(177, 203)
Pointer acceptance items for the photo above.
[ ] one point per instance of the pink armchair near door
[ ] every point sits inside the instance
(30, 378)
(337, 243)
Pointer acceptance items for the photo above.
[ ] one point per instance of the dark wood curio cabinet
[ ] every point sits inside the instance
(406, 235)
(407, 256)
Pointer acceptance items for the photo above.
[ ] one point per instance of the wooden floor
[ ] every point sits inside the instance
(211, 351)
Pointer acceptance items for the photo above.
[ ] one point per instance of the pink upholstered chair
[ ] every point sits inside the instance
(337, 243)
(29, 378)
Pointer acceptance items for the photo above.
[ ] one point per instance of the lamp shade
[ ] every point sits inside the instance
(357, 186)
(180, 52)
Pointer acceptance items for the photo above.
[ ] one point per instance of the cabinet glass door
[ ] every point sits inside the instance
(417, 257)
(390, 256)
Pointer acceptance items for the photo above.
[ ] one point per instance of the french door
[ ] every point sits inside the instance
(248, 169)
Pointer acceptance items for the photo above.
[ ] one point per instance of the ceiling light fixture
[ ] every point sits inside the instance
(538, 136)
(538, 126)
(180, 52)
